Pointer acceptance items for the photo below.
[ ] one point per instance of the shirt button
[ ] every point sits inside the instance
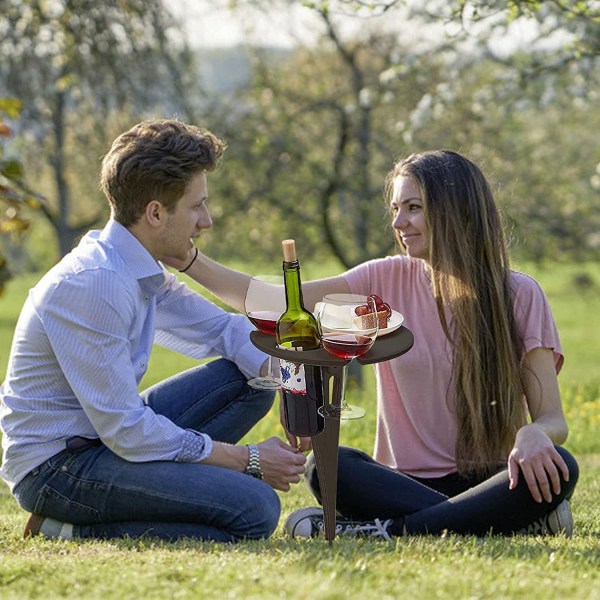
(146, 298)
(63, 468)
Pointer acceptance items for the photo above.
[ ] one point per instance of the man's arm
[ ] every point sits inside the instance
(281, 464)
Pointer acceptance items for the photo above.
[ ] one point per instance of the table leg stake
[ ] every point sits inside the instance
(325, 446)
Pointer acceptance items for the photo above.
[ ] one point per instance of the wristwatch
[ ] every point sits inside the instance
(253, 467)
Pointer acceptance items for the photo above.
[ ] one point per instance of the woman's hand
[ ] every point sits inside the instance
(301, 444)
(535, 456)
(178, 262)
(280, 463)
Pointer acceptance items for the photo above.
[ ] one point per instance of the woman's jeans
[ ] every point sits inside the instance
(367, 490)
(106, 496)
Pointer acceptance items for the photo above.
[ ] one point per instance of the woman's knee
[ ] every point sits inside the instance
(573, 468)
(347, 458)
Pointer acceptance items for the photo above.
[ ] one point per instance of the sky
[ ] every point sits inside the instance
(209, 25)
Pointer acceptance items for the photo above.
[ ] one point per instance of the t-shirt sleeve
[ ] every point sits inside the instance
(534, 318)
(375, 276)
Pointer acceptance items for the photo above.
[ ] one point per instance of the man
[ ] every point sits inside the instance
(85, 452)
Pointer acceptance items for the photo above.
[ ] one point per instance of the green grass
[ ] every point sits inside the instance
(421, 567)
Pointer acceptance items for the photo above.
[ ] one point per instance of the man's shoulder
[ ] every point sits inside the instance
(97, 270)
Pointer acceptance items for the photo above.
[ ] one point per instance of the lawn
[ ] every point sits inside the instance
(421, 567)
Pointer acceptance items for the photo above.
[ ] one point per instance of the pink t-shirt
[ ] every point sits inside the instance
(416, 428)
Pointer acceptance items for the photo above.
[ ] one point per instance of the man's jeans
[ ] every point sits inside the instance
(106, 496)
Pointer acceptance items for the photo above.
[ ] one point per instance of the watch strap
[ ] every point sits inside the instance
(253, 467)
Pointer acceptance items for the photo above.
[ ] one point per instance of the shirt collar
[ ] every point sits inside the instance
(140, 262)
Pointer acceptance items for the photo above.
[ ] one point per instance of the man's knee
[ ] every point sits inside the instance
(263, 518)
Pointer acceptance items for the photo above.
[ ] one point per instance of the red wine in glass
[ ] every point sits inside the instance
(264, 304)
(346, 345)
(264, 320)
(346, 333)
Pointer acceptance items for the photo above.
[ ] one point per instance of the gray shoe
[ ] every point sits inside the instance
(308, 523)
(560, 520)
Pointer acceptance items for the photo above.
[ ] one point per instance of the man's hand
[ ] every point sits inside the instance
(280, 463)
(535, 456)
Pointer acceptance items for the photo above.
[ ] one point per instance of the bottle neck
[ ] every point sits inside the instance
(293, 287)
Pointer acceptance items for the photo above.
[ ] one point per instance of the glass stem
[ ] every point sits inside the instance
(343, 403)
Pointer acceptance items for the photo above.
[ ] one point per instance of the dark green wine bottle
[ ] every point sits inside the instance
(297, 330)
(297, 327)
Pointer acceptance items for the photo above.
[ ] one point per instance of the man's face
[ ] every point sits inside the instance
(190, 217)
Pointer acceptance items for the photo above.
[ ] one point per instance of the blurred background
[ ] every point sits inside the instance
(316, 100)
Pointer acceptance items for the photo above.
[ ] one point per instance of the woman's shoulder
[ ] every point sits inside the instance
(528, 294)
(388, 264)
(522, 283)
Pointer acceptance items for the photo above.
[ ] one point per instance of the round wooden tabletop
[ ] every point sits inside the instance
(385, 347)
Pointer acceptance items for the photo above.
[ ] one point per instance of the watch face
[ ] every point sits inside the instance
(255, 473)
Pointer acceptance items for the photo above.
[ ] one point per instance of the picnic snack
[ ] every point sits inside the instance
(384, 312)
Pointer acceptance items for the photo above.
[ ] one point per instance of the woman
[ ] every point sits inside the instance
(457, 447)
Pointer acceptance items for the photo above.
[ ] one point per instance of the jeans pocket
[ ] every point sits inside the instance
(27, 490)
(52, 503)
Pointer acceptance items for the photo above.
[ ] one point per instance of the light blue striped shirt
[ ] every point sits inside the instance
(81, 347)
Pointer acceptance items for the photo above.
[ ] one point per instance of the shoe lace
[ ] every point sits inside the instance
(538, 527)
(375, 528)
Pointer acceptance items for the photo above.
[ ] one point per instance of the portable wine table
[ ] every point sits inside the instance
(325, 444)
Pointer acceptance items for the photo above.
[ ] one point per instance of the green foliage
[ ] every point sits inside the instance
(313, 135)
(14, 193)
(78, 66)
(322, 125)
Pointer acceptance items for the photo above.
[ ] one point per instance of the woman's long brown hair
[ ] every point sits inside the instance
(470, 281)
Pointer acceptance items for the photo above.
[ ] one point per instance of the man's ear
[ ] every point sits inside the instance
(155, 213)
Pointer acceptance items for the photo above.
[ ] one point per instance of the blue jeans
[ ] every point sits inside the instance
(105, 496)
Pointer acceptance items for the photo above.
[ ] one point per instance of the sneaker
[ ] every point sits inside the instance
(560, 520)
(49, 528)
(308, 523)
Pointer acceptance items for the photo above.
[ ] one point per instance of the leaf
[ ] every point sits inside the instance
(15, 225)
(12, 169)
(11, 107)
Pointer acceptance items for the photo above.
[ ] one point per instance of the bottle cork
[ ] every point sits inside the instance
(289, 250)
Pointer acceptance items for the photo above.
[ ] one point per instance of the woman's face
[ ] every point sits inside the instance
(409, 217)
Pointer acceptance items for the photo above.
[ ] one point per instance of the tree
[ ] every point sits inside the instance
(14, 194)
(322, 126)
(76, 62)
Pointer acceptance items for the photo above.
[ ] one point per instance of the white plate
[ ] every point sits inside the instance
(394, 322)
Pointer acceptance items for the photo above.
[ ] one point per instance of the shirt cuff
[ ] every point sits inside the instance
(249, 359)
(196, 447)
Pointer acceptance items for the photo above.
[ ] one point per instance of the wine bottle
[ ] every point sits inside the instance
(297, 330)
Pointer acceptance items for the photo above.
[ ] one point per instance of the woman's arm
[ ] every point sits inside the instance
(534, 454)
(230, 285)
(227, 284)
(542, 393)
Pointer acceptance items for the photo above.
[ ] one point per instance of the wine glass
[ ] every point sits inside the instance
(264, 304)
(349, 325)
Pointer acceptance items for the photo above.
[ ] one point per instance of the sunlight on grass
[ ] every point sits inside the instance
(426, 568)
